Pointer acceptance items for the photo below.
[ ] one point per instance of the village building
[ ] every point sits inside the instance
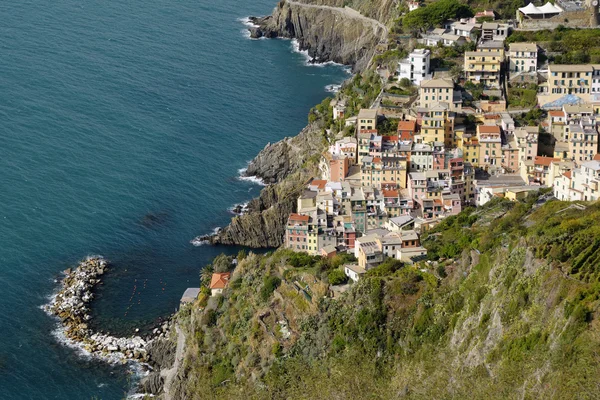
(219, 282)
(483, 67)
(416, 66)
(439, 91)
(522, 57)
(366, 119)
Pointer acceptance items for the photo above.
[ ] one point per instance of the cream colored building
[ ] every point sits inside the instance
(435, 91)
(522, 57)
(367, 119)
(483, 67)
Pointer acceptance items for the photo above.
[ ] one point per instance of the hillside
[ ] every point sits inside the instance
(505, 308)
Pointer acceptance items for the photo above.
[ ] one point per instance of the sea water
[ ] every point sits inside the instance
(123, 126)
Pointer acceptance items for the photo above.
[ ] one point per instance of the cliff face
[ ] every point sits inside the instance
(286, 166)
(509, 312)
(328, 32)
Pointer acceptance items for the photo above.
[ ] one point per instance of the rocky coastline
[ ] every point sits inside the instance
(71, 305)
(285, 166)
(328, 32)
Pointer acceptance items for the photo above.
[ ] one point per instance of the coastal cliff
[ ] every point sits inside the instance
(329, 31)
(510, 315)
(285, 166)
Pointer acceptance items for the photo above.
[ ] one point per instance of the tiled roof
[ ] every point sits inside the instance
(219, 280)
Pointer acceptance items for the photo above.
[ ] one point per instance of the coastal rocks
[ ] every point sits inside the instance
(278, 160)
(71, 306)
(329, 33)
(286, 165)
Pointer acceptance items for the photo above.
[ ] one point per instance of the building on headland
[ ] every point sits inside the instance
(416, 66)
(219, 282)
(339, 109)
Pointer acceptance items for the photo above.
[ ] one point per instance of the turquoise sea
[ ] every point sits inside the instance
(123, 126)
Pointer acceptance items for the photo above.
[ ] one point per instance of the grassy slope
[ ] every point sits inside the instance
(516, 320)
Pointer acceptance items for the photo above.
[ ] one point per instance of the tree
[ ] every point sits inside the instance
(206, 275)
(405, 83)
(337, 277)
(435, 14)
(456, 72)
(222, 263)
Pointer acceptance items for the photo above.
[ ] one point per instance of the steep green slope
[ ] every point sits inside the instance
(506, 308)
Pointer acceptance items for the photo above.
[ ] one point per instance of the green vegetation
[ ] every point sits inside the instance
(323, 111)
(434, 14)
(361, 91)
(522, 97)
(505, 308)
(388, 126)
(532, 118)
(573, 46)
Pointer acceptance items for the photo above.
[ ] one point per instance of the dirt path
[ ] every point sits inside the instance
(169, 374)
(346, 12)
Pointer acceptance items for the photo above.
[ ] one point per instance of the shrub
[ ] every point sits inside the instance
(270, 283)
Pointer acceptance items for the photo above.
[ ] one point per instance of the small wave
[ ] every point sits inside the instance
(253, 179)
(332, 88)
(246, 31)
(239, 208)
(310, 62)
(198, 241)
(201, 241)
(246, 21)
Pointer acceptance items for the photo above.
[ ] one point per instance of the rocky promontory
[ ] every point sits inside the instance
(327, 30)
(286, 167)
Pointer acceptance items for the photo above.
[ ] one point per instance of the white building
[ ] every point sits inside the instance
(416, 66)
(522, 57)
(579, 184)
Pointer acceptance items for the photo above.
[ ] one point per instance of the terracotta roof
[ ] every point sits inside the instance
(375, 131)
(556, 113)
(597, 157)
(407, 125)
(376, 159)
(567, 174)
(488, 129)
(545, 161)
(319, 183)
(390, 193)
(298, 217)
(390, 138)
(220, 280)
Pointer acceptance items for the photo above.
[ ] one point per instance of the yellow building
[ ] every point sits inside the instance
(483, 67)
(438, 125)
(471, 151)
(582, 81)
(367, 119)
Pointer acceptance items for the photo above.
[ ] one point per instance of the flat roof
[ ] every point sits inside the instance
(367, 113)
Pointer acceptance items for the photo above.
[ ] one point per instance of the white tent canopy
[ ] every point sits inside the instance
(547, 8)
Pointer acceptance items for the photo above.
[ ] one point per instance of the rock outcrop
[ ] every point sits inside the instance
(328, 32)
(286, 166)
